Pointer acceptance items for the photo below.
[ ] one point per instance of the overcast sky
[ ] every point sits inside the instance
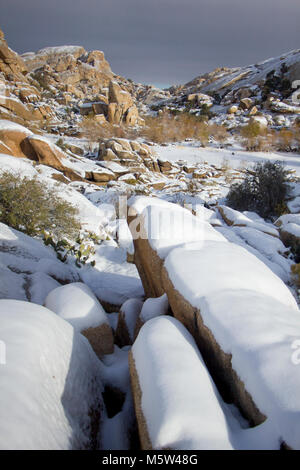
(161, 42)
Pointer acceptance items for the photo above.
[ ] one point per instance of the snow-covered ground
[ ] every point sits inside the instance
(235, 157)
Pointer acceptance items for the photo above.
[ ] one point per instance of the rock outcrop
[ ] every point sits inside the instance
(157, 227)
(216, 288)
(11, 64)
(132, 155)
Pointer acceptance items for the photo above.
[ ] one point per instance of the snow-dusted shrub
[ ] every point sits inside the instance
(255, 138)
(264, 190)
(26, 204)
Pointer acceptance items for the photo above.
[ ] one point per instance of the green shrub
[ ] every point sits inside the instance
(28, 205)
(264, 190)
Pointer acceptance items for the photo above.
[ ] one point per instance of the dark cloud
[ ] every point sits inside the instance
(157, 41)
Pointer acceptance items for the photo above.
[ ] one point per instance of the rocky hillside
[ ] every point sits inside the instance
(264, 88)
(56, 86)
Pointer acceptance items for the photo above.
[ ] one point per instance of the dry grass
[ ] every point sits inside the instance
(93, 131)
(258, 139)
(167, 127)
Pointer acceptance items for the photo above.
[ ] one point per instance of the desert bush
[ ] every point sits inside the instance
(81, 251)
(296, 130)
(264, 190)
(218, 132)
(284, 140)
(259, 139)
(27, 205)
(93, 131)
(254, 137)
(167, 127)
(61, 144)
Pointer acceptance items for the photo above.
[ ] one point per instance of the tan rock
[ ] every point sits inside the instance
(14, 138)
(29, 95)
(288, 238)
(218, 362)
(147, 261)
(253, 111)
(112, 107)
(100, 118)
(11, 63)
(246, 103)
(125, 144)
(107, 155)
(132, 116)
(137, 398)
(232, 109)
(119, 96)
(128, 315)
(159, 185)
(100, 108)
(16, 107)
(135, 146)
(101, 339)
(125, 155)
(103, 177)
(5, 149)
(46, 153)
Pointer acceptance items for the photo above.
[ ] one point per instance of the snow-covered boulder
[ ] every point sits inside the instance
(177, 404)
(28, 269)
(255, 317)
(50, 382)
(235, 218)
(77, 304)
(152, 308)
(157, 227)
(289, 229)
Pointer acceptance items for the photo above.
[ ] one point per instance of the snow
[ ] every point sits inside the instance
(112, 166)
(29, 269)
(208, 215)
(254, 317)
(235, 157)
(263, 242)
(131, 310)
(19, 166)
(287, 218)
(50, 383)
(154, 307)
(201, 269)
(40, 285)
(77, 304)
(12, 126)
(260, 331)
(11, 284)
(116, 431)
(280, 265)
(113, 279)
(121, 230)
(240, 219)
(294, 205)
(168, 225)
(59, 50)
(179, 399)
